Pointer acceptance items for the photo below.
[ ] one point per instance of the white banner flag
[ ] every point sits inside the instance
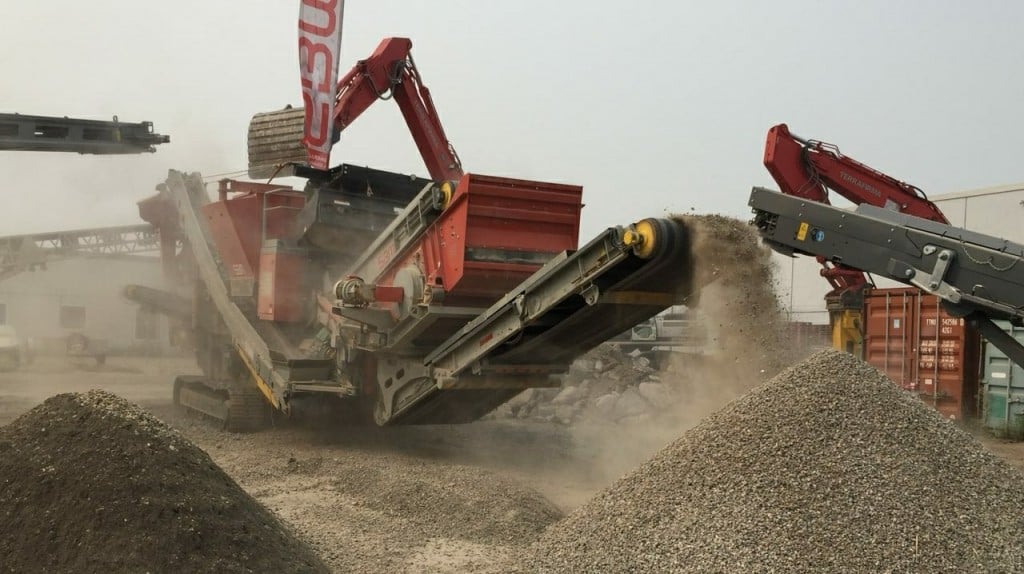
(319, 52)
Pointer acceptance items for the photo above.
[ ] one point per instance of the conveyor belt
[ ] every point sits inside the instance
(977, 276)
(266, 380)
(457, 406)
(548, 322)
(576, 327)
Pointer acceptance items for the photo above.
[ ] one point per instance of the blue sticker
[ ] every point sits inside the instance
(817, 235)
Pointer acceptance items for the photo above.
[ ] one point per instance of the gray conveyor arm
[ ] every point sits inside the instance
(977, 276)
(47, 133)
(189, 195)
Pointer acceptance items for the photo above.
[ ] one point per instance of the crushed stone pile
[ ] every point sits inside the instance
(92, 483)
(828, 467)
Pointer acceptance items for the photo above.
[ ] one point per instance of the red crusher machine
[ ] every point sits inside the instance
(393, 298)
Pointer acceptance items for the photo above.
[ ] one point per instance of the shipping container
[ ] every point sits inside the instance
(1003, 388)
(909, 337)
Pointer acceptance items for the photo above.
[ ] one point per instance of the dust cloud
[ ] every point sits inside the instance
(585, 446)
(739, 299)
(569, 463)
(90, 191)
(748, 340)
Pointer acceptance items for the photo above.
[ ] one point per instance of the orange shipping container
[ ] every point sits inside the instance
(909, 337)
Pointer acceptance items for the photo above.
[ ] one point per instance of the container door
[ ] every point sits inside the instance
(1004, 389)
(889, 335)
(923, 349)
(947, 363)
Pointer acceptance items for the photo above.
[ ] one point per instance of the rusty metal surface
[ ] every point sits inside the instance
(281, 288)
(910, 338)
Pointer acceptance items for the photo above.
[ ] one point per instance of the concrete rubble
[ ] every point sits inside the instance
(606, 385)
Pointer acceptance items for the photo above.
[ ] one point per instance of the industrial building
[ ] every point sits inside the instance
(996, 211)
(83, 295)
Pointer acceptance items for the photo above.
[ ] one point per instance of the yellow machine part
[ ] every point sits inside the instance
(846, 331)
(641, 236)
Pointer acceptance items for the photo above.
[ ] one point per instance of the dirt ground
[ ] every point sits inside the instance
(418, 499)
(421, 499)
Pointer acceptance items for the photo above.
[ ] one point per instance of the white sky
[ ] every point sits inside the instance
(652, 106)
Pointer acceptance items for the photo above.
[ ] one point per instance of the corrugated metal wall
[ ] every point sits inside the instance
(1003, 384)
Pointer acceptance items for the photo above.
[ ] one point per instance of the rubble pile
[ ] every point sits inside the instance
(92, 483)
(606, 385)
(828, 467)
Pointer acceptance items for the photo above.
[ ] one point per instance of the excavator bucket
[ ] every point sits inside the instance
(275, 143)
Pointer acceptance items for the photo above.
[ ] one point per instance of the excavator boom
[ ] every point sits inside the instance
(275, 138)
(390, 72)
(808, 169)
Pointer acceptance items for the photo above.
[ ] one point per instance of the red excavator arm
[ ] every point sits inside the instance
(809, 168)
(275, 138)
(390, 72)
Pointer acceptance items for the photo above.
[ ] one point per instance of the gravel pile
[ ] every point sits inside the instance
(92, 483)
(828, 467)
